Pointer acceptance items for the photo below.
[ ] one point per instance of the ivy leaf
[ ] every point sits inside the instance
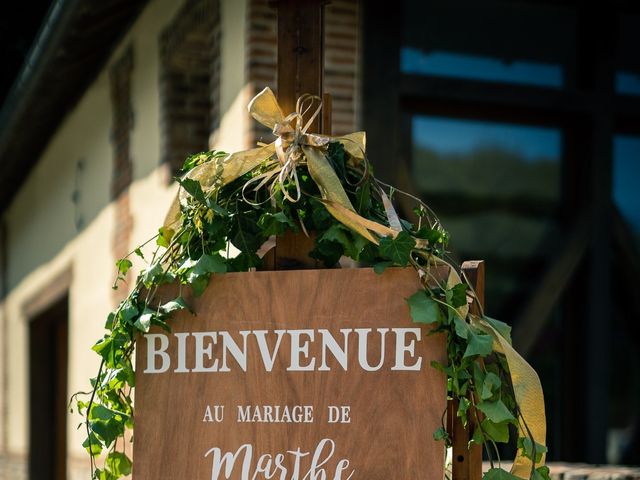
(462, 327)
(526, 444)
(477, 438)
(103, 347)
(352, 243)
(398, 249)
(490, 385)
(502, 328)
(436, 238)
(274, 223)
(216, 208)
(499, 474)
(441, 368)
(541, 473)
(381, 267)
(100, 412)
(423, 308)
(336, 156)
(357, 246)
(496, 411)
(328, 253)
(118, 464)
(245, 234)
(478, 376)
(109, 323)
(103, 475)
(209, 264)
(139, 253)
(336, 233)
(440, 434)
(108, 431)
(144, 322)
(165, 235)
(498, 432)
(128, 311)
(463, 407)
(320, 216)
(92, 444)
(479, 344)
(193, 188)
(124, 264)
(174, 305)
(151, 275)
(457, 295)
(199, 285)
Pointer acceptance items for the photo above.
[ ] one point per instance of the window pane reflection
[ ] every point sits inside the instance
(456, 65)
(478, 158)
(496, 187)
(628, 61)
(626, 179)
(627, 83)
(440, 41)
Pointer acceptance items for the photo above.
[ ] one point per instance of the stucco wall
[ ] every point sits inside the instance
(43, 242)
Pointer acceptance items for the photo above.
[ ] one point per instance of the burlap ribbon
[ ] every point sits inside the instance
(295, 146)
(526, 385)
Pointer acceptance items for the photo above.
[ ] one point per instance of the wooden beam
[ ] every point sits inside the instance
(300, 71)
(300, 51)
(467, 462)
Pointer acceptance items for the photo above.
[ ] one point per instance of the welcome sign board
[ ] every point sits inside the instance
(296, 375)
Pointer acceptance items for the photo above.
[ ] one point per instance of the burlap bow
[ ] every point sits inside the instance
(293, 146)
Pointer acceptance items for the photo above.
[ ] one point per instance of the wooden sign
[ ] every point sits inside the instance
(296, 375)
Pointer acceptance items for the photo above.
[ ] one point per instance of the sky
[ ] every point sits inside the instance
(462, 65)
(449, 135)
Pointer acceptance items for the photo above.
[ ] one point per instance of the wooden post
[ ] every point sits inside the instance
(300, 51)
(467, 462)
(300, 70)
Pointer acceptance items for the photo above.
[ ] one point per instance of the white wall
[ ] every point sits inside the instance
(42, 238)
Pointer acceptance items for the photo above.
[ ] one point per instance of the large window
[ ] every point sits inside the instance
(496, 187)
(502, 116)
(495, 41)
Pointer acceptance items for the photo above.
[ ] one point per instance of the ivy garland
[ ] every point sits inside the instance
(477, 376)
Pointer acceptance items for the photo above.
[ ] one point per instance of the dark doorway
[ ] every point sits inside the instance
(48, 353)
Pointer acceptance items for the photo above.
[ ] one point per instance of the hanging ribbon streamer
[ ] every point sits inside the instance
(524, 379)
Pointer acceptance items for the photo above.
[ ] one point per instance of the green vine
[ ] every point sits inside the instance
(220, 215)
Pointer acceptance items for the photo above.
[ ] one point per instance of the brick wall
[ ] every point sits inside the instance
(341, 59)
(190, 81)
(122, 122)
(122, 171)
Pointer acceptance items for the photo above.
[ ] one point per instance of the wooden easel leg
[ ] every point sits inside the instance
(467, 462)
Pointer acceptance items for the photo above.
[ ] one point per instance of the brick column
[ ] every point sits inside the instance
(190, 81)
(122, 172)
